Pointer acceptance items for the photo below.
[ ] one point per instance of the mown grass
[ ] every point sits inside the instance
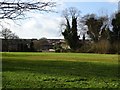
(60, 70)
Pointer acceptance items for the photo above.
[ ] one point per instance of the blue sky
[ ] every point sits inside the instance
(93, 7)
(48, 24)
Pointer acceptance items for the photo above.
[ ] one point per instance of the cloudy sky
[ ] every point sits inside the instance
(48, 24)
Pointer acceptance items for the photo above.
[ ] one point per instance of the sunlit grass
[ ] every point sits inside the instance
(63, 57)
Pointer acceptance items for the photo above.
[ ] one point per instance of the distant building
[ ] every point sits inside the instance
(26, 45)
(34, 45)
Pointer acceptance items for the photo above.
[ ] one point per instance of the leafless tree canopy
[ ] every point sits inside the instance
(8, 34)
(71, 12)
(13, 9)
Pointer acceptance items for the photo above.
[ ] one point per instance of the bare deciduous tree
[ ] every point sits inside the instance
(14, 9)
(7, 34)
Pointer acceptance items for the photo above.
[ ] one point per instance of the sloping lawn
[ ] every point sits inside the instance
(59, 70)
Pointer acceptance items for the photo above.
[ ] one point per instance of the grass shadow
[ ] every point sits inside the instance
(62, 68)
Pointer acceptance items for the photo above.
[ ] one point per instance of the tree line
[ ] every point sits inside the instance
(104, 39)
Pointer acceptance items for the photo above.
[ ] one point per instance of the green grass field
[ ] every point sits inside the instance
(59, 70)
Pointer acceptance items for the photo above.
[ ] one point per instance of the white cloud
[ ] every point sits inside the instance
(38, 26)
(41, 25)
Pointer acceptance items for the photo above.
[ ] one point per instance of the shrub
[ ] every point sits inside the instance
(102, 46)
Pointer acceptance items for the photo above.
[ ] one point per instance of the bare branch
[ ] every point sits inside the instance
(16, 8)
